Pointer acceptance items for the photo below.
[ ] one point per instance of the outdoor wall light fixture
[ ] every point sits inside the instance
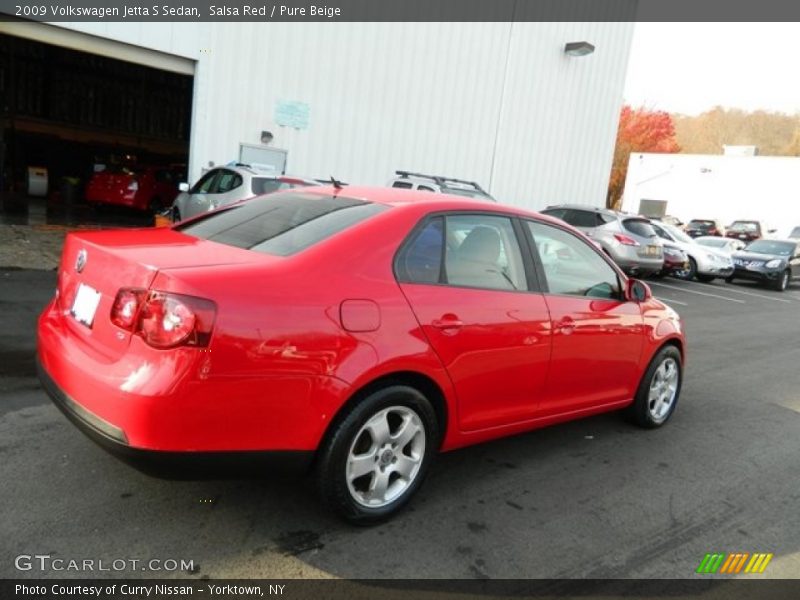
(578, 48)
(266, 137)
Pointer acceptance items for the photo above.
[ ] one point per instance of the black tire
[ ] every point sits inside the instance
(705, 278)
(642, 411)
(783, 282)
(687, 274)
(334, 458)
(176, 214)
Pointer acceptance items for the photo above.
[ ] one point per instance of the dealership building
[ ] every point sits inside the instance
(527, 109)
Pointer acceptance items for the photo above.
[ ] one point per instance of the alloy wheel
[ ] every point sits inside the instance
(385, 456)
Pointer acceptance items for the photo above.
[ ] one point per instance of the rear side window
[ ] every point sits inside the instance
(402, 184)
(639, 227)
(281, 224)
(420, 261)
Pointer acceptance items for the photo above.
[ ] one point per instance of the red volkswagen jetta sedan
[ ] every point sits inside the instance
(357, 330)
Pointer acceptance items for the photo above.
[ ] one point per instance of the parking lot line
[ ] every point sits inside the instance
(669, 301)
(737, 291)
(682, 289)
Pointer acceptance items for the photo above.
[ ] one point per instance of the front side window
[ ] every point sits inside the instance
(476, 251)
(571, 266)
(206, 182)
(227, 181)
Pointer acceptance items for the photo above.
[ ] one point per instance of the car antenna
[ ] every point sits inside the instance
(337, 184)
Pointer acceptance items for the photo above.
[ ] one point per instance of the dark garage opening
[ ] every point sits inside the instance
(72, 112)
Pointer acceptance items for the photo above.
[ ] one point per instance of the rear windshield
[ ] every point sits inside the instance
(744, 226)
(281, 224)
(639, 227)
(700, 224)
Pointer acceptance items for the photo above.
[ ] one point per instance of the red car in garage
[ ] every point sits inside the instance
(357, 330)
(145, 188)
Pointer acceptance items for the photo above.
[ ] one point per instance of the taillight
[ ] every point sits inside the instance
(164, 320)
(133, 185)
(625, 240)
(126, 307)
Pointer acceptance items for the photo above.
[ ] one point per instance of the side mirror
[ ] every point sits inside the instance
(638, 291)
(183, 186)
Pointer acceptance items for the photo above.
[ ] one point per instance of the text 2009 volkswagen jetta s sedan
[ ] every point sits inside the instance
(361, 330)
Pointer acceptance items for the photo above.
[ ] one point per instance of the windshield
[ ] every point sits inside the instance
(281, 223)
(771, 247)
(700, 224)
(744, 226)
(676, 233)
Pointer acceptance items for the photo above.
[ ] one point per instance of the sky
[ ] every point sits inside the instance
(689, 68)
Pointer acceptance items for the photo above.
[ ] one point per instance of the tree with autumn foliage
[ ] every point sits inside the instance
(640, 130)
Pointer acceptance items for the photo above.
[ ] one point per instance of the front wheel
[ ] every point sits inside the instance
(783, 281)
(659, 389)
(689, 272)
(377, 456)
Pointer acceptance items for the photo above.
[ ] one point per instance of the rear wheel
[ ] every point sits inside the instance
(377, 456)
(783, 281)
(689, 273)
(659, 389)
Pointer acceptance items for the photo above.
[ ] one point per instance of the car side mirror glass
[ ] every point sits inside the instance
(638, 291)
(183, 186)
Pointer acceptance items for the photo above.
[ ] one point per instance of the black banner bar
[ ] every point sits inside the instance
(399, 10)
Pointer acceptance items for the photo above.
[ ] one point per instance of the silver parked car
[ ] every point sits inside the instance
(439, 184)
(225, 185)
(705, 263)
(629, 240)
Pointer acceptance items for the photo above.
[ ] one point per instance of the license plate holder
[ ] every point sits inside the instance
(85, 304)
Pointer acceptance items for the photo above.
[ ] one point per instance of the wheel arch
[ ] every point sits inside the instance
(421, 382)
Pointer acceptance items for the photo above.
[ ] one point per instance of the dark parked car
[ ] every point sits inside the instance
(698, 227)
(675, 260)
(747, 230)
(772, 262)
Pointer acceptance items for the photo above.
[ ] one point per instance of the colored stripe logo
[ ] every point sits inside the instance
(733, 563)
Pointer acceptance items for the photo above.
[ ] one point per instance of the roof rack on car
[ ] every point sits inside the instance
(441, 180)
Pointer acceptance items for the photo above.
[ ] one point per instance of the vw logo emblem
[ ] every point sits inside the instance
(80, 261)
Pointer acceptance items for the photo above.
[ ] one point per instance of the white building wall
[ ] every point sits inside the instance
(498, 103)
(727, 188)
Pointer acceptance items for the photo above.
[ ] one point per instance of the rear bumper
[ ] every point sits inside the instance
(168, 464)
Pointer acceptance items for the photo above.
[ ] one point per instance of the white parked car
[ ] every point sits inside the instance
(705, 263)
(221, 186)
(726, 245)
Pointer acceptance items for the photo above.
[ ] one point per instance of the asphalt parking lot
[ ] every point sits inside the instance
(593, 498)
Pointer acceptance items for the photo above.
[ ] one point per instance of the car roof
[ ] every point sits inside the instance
(426, 202)
(597, 209)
